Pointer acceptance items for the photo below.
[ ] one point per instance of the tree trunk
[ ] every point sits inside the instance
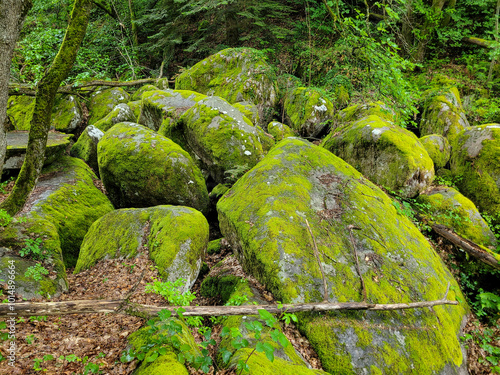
(428, 28)
(12, 13)
(44, 101)
(133, 24)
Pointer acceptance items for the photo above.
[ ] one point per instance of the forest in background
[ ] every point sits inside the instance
(354, 51)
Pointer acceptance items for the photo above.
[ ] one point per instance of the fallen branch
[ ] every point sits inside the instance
(16, 89)
(363, 287)
(478, 42)
(468, 246)
(130, 308)
(316, 254)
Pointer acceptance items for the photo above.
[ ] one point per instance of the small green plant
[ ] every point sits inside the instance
(30, 339)
(42, 318)
(33, 248)
(37, 366)
(170, 291)
(234, 174)
(35, 272)
(4, 184)
(5, 218)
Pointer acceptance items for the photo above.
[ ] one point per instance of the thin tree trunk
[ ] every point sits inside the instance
(12, 13)
(133, 24)
(494, 59)
(44, 101)
(427, 29)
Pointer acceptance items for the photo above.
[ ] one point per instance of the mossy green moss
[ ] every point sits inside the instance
(140, 168)
(475, 163)
(138, 93)
(13, 237)
(443, 113)
(438, 148)
(448, 207)
(214, 247)
(66, 113)
(235, 74)
(221, 136)
(280, 131)
(250, 110)
(219, 286)
(135, 106)
(20, 111)
(104, 101)
(263, 218)
(86, 146)
(120, 113)
(71, 202)
(388, 155)
(176, 237)
(358, 111)
(308, 111)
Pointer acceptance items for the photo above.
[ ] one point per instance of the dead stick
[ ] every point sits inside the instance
(363, 288)
(135, 309)
(325, 285)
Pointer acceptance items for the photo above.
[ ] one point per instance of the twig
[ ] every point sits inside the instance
(315, 247)
(363, 288)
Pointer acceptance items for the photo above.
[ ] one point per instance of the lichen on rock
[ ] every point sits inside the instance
(103, 102)
(120, 113)
(86, 146)
(438, 148)
(263, 216)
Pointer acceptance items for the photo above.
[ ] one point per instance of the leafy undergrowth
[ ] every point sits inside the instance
(94, 343)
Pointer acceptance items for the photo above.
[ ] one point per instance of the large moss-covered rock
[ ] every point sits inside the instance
(235, 74)
(140, 168)
(250, 110)
(263, 216)
(138, 93)
(308, 111)
(66, 196)
(13, 238)
(176, 237)
(160, 105)
(121, 113)
(135, 106)
(438, 148)
(104, 101)
(387, 154)
(86, 146)
(358, 111)
(475, 159)
(446, 206)
(17, 142)
(66, 112)
(221, 136)
(443, 114)
(280, 131)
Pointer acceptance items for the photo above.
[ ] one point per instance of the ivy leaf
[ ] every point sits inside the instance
(152, 357)
(226, 355)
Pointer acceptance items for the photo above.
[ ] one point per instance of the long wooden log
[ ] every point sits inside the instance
(130, 308)
(478, 41)
(468, 246)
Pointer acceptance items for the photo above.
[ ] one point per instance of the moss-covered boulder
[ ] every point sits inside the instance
(358, 111)
(135, 106)
(66, 112)
(66, 196)
(176, 237)
(235, 74)
(17, 142)
(145, 341)
(475, 163)
(140, 168)
(86, 146)
(13, 239)
(446, 206)
(438, 148)
(250, 110)
(280, 131)
(221, 136)
(20, 111)
(263, 216)
(121, 113)
(160, 105)
(387, 154)
(308, 111)
(443, 113)
(138, 93)
(103, 102)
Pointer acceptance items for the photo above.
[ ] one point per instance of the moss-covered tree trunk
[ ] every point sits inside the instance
(432, 20)
(12, 13)
(44, 101)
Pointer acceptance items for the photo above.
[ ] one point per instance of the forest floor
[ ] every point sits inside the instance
(74, 341)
